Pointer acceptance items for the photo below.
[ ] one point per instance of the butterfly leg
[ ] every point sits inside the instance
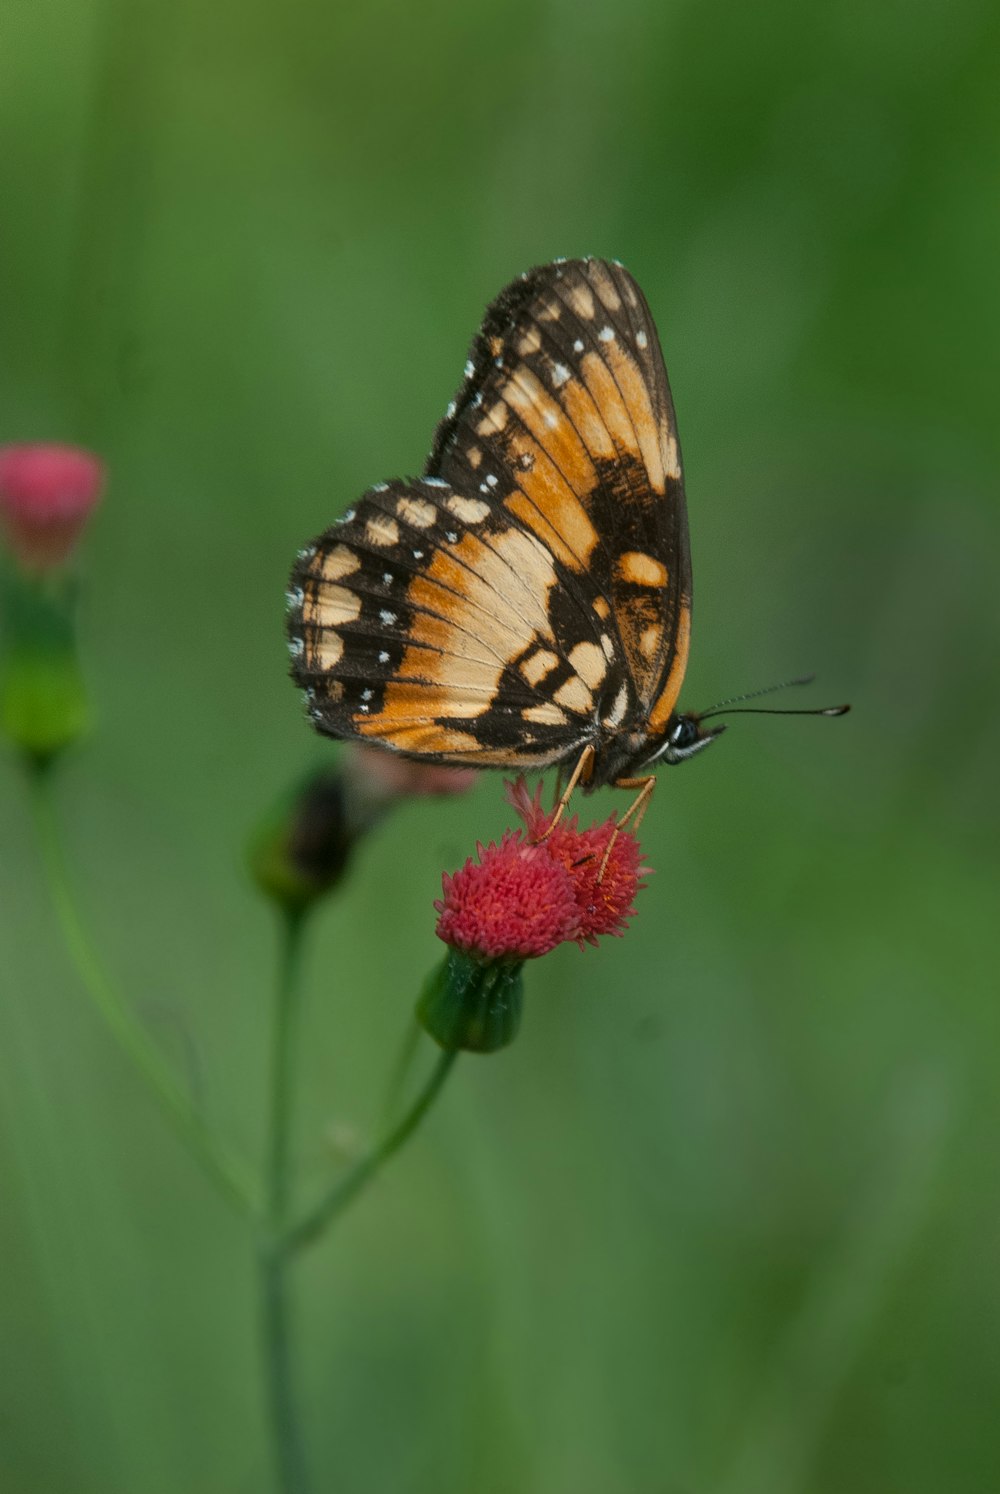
(636, 811)
(581, 771)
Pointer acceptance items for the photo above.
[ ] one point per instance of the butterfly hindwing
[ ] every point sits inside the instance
(426, 620)
(566, 409)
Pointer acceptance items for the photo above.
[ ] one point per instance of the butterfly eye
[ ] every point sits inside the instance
(685, 733)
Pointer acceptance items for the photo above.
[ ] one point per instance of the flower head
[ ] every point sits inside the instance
(536, 889)
(47, 492)
(520, 898)
(603, 862)
(514, 903)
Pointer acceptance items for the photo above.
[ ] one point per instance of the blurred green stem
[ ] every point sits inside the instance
(401, 1070)
(289, 1456)
(226, 1171)
(343, 1192)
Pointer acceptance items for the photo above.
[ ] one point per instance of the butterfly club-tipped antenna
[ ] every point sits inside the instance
(735, 707)
(689, 734)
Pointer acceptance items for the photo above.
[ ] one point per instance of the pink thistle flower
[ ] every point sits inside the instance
(47, 492)
(515, 903)
(604, 899)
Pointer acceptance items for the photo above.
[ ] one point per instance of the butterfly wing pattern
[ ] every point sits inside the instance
(530, 595)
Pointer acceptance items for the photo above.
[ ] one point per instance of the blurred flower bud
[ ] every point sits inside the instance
(302, 849)
(378, 779)
(47, 492)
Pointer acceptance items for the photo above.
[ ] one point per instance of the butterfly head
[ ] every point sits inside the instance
(686, 736)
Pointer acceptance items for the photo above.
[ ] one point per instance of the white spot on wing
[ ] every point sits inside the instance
(607, 334)
(387, 617)
(560, 373)
(641, 339)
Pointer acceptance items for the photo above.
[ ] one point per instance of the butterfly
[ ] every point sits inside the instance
(527, 601)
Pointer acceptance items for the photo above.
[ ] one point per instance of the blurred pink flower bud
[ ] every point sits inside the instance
(381, 777)
(47, 492)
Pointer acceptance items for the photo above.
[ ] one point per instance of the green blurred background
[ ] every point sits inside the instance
(726, 1218)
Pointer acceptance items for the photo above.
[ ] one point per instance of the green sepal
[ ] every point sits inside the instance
(43, 700)
(472, 1004)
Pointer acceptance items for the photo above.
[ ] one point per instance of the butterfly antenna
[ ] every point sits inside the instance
(838, 710)
(734, 707)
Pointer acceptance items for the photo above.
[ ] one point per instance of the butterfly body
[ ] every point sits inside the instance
(528, 599)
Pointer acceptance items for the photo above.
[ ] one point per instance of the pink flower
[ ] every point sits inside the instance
(515, 903)
(46, 495)
(534, 891)
(604, 897)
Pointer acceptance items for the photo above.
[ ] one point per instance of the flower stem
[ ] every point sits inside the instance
(343, 1192)
(274, 1261)
(400, 1071)
(226, 1171)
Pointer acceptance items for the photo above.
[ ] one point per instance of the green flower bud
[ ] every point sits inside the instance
(302, 849)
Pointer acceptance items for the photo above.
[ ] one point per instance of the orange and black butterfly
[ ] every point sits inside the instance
(528, 600)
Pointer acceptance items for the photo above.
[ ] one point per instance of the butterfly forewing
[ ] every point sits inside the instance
(567, 410)
(531, 593)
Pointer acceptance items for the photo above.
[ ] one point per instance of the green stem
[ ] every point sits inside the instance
(343, 1192)
(282, 1064)
(400, 1071)
(226, 1171)
(275, 1315)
